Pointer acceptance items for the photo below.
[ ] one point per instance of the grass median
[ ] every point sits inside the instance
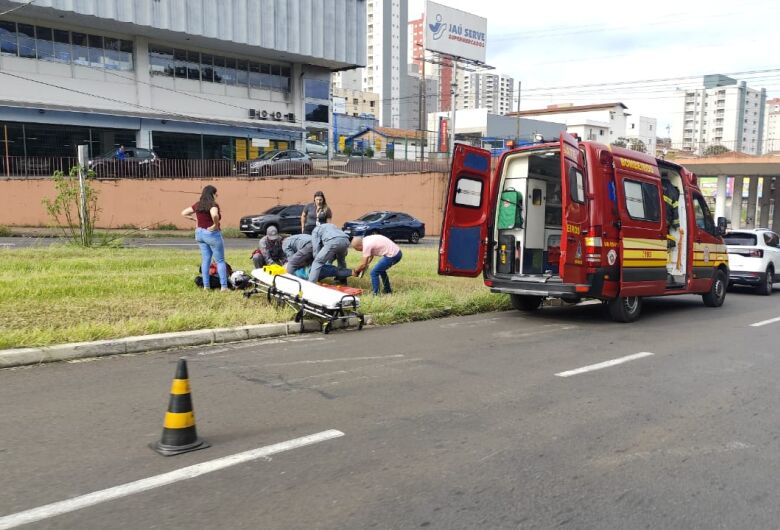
(59, 294)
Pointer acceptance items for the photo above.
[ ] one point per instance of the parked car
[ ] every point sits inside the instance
(137, 162)
(281, 163)
(316, 147)
(393, 225)
(286, 219)
(754, 257)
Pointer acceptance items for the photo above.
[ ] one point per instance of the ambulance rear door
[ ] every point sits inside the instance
(464, 233)
(575, 211)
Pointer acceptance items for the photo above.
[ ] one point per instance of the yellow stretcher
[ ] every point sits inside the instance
(307, 298)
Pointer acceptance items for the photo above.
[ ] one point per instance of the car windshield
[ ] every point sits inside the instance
(267, 155)
(371, 217)
(274, 209)
(741, 239)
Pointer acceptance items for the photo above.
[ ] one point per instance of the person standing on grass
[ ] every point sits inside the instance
(315, 213)
(328, 243)
(208, 234)
(377, 246)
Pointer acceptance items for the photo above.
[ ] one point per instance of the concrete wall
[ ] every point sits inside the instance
(152, 202)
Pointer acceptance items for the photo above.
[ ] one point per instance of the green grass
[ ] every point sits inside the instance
(67, 294)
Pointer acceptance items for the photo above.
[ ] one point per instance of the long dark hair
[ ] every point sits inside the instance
(206, 201)
(324, 202)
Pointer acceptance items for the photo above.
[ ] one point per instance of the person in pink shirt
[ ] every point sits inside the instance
(377, 246)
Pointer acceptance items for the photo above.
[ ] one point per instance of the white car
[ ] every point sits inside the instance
(754, 258)
(316, 148)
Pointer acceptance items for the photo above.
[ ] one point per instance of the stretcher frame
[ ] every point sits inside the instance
(346, 308)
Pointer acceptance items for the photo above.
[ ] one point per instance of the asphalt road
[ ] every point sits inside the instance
(158, 242)
(452, 423)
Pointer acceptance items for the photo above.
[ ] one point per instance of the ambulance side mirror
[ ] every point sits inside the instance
(722, 224)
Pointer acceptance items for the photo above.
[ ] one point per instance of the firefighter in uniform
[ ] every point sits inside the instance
(671, 205)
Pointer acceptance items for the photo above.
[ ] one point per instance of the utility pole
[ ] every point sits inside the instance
(517, 137)
(423, 113)
(83, 161)
(454, 86)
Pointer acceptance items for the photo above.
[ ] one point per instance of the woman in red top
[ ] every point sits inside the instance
(207, 215)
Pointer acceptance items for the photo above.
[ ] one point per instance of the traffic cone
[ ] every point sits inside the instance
(179, 434)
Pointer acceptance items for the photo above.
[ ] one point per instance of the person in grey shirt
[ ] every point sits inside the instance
(297, 248)
(328, 243)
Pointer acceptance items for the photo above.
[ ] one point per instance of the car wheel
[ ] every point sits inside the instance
(766, 288)
(414, 237)
(524, 302)
(717, 293)
(625, 308)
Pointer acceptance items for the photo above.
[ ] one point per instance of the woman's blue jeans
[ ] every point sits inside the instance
(211, 245)
(380, 271)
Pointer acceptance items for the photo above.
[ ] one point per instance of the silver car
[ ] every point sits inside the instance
(289, 162)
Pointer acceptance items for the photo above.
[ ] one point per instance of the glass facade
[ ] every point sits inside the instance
(316, 112)
(47, 140)
(196, 66)
(316, 89)
(57, 45)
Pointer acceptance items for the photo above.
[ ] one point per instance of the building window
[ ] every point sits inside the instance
(57, 45)
(316, 89)
(316, 113)
(209, 68)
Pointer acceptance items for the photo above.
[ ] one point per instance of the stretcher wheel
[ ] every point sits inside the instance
(247, 294)
(297, 317)
(360, 324)
(326, 328)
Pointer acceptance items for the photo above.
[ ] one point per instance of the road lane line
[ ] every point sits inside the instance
(123, 490)
(605, 364)
(765, 322)
(340, 360)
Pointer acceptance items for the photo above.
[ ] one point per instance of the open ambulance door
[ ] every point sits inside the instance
(575, 212)
(464, 236)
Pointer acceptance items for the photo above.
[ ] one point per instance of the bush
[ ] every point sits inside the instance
(369, 153)
(716, 150)
(5, 231)
(166, 226)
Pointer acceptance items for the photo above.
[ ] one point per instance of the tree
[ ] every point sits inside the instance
(716, 150)
(635, 144)
(65, 208)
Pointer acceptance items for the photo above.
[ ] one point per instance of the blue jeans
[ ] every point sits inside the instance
(211, 245)
(380, 271)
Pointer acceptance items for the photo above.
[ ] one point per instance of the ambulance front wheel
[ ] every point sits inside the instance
(525, 302)
(625, 308)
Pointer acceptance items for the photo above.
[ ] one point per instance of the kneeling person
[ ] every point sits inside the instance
(328, 243)
(269, 249)
(298, 250)
(377, 246)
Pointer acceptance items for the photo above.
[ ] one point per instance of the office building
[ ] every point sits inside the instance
(480, 90)
(189, 78)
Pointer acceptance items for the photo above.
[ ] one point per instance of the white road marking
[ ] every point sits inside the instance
(343, 359)
(765, 322)
(605, 364)
(123, 490)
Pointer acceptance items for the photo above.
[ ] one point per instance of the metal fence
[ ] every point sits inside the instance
(44, 167)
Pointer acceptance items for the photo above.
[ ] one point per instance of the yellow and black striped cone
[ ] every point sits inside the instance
(179, 434)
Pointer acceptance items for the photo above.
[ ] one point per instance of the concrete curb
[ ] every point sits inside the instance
(161, 341)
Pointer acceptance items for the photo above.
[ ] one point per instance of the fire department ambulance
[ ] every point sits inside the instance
(576, 220)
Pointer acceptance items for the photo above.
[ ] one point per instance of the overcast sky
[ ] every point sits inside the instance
(565, 43)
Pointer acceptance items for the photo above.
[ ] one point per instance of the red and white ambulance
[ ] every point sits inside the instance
(576, 220)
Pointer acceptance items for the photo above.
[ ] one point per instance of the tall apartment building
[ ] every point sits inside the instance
(722, 112)
(442, 72)
(386, 71)
(772, 126)
(477, 90)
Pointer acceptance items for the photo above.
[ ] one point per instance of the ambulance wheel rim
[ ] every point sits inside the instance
(631, 303)
(719, 287)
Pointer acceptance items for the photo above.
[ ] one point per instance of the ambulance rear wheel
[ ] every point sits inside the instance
(717, 293)
(525, 303)
(625, 308)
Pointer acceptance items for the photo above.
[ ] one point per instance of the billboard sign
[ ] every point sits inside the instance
(454, 32)
(444, 134)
